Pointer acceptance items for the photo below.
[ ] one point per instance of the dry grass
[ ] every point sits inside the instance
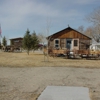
(37, 60)
(8, 59)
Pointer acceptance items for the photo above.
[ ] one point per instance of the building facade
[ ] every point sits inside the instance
(16, 43)
(69, 39)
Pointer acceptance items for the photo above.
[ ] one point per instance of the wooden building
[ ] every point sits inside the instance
(16, 43)
(69, 39)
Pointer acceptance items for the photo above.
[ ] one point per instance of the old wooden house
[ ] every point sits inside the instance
(69, 39)
(16, 43)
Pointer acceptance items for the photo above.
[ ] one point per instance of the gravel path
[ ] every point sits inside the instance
(26, 83)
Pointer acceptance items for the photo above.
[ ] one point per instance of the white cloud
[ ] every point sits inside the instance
(14, 13)
(84, 2)
(77, 2)
(17, 12)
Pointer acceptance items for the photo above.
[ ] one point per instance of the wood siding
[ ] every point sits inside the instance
(63, 43)
(17, 42)
(84, 44)
(69, 33)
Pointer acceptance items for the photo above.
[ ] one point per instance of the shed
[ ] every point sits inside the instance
(16, 42)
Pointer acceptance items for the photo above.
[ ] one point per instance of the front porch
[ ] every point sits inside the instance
(88, 54)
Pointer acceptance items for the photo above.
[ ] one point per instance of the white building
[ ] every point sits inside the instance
(95, 46)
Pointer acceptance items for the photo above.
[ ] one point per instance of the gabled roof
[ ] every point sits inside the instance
(16, 38)
(68, 28)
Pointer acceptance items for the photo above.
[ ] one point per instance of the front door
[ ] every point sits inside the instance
(69, 44)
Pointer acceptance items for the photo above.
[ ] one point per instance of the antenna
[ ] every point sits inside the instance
(68, 25)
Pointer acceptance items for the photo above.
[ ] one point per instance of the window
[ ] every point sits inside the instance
(16, 40)
(75, 42)
(57, 43)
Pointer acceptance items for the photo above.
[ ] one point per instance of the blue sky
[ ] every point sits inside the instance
(18, 15)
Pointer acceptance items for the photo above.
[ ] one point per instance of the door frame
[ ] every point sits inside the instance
(71, 43)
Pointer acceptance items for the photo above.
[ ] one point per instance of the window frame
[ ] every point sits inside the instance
(58, 44)
(75, 43)
(16, 41)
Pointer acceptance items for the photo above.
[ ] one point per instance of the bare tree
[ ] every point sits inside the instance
(81, 29)
(93, 32)
(48, 25)
(42, 38)
(89, 31)
(94, 18)
(96, 33)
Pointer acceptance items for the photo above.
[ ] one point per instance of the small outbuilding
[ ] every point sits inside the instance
(16, 43)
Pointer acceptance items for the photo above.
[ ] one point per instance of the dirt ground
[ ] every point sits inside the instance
(24, 77)
(28, 83)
